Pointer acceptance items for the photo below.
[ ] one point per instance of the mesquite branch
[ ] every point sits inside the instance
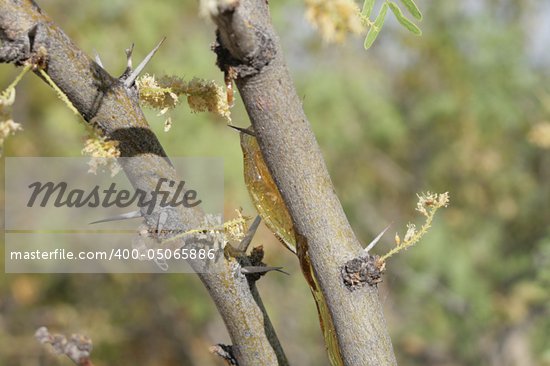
(249, 48)
(28, 35)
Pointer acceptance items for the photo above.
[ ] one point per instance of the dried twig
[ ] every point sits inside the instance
(77, 347)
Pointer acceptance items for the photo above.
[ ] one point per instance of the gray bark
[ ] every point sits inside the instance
(29, 35)
(249, 48)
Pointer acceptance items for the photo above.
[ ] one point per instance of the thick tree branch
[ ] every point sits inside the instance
(249, 48)
(28, 35)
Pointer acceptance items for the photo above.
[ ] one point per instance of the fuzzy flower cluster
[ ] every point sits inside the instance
(212, 226)
(212, 233)
(539, 135)
(163, 94)
(428, 203)
(155, 95)
(103, 153)
(236, 229)
(7, 125)
(204, 95)
(334, 19)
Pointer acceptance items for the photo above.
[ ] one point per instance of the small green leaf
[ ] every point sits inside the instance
(375, 28)
(404, 21)
(412, 8)
(367, 8)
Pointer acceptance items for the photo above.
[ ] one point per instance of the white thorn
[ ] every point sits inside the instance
(133, 76)
(376, 240)
(129, 52)
(163, 216)
(98, 59)
(126, 216)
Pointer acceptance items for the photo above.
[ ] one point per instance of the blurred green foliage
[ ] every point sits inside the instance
(448, 111)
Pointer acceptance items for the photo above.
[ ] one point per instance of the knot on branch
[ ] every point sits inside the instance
(250, 64)
(362, 270)
(225, 352)
(256, 256)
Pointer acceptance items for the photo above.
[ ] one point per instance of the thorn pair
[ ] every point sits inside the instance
(129, 77)
(243, 247)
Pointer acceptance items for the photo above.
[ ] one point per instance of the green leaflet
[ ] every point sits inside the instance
(367, 8)
(403, 20)
(412, 8)
(375, 28)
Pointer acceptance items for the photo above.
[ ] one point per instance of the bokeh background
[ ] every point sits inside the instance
(464, 109)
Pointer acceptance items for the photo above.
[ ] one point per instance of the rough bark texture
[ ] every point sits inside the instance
(28, 35)
(248, 47)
